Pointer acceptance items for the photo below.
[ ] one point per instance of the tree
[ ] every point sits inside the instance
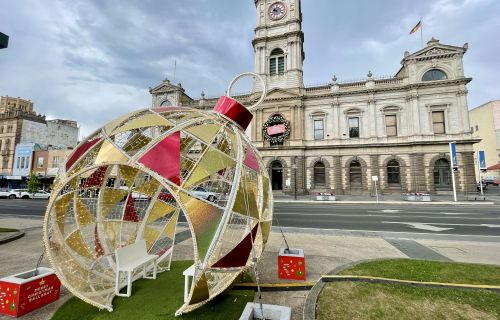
(33, 183)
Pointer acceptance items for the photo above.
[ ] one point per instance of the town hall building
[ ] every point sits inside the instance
(337, 136)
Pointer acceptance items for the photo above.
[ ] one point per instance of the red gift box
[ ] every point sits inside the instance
(27, 291)
(291, 264)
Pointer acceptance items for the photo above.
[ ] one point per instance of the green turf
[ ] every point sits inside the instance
(421, 270)
(8, 230)
(158, 299)
(358, 300)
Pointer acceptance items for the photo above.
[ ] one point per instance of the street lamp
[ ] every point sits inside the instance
(4, 41)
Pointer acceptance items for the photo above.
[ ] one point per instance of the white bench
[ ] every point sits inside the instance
(189, 272)
(130, 258)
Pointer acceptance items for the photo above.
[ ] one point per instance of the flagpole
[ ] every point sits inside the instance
(421, 33)
(175, 69)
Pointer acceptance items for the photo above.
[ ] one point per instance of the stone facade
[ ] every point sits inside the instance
(343, 133)
(13, 113)
(19, 123)
(57, 133)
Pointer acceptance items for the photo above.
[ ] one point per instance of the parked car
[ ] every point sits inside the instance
(24, 194)
(490, 180)
(485, 186)
(5, 193)
(205, 194)
(40, 194)
(17, 194)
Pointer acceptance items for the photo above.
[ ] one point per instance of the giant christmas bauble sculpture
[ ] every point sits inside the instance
(132, 180)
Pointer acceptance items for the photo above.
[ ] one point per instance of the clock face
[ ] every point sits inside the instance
(277, 10)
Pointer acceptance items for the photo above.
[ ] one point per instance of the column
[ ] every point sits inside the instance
(417, 174)
(372, 120)
(467, 176)
(417, 130)
(337, 174)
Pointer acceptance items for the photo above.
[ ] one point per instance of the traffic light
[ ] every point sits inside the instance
(4, 41)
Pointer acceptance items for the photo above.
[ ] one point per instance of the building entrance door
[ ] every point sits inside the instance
(442, 174)
(277, 175)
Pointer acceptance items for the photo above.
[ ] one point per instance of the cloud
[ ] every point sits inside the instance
(92, 60)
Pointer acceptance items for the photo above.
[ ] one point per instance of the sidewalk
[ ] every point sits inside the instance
(471, 199)
(323, 254)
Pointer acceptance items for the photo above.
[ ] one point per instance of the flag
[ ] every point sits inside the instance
(416, 27)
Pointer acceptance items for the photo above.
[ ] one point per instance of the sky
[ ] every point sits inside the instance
(93, 60)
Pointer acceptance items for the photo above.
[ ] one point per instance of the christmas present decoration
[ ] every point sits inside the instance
(133, 178)
(27, 291)
(291, 264)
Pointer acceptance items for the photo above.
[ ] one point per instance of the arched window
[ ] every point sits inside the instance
(277, 62)
(355, 174)
(393, 172)
(433, 75)
(166, 103)
(319, 174)
(442, 174)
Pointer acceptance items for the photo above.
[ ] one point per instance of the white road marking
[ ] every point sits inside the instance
(391, 211)
(424, 212)
(316, 230)
(421, 226)
(457, 213)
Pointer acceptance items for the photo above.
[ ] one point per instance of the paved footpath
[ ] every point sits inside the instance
(324, 252)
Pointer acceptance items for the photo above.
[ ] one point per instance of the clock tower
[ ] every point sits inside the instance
(279, 43)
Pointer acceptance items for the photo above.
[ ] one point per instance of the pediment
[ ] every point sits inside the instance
(165, 87)
(278, 93)
(436, 51)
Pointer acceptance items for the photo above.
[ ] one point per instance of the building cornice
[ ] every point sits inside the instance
(257, 40)
(371, 145)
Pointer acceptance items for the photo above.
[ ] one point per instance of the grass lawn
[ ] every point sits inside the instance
(359, 300)
(7, 230)
(434, 271)
(158, 299)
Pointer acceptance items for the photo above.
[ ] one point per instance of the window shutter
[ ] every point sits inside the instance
(281, 65)
(272, 66)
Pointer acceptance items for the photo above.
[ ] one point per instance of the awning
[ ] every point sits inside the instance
(495, 167)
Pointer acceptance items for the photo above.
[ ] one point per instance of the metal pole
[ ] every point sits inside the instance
(479, 173)
(376, 191)
(453, 176)
(421, 33)
(295, 177)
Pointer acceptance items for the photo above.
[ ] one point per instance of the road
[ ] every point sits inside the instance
(483, 220)
(463, 220)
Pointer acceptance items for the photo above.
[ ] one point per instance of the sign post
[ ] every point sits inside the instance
(481, 166)
(375, 179)
(454, 167)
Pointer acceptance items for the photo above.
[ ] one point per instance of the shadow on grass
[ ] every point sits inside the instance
(158, 299)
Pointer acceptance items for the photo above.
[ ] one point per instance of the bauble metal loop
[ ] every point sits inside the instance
(255, 75)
